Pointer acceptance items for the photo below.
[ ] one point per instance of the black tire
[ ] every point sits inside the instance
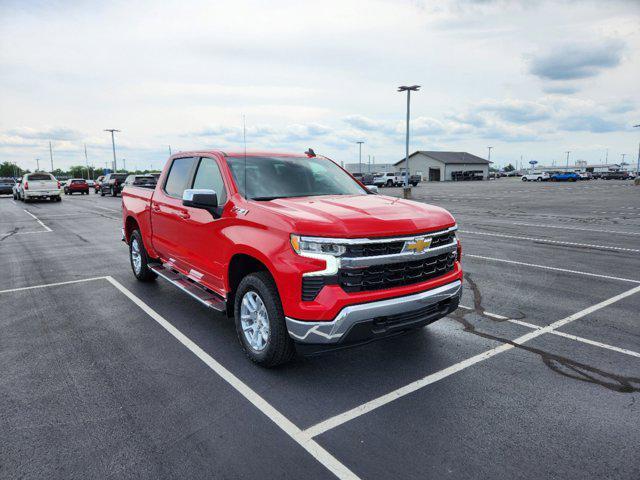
(279, 348)
(58, 198)
(539, 179)
(389, 183)
(414, 184)
(524, 179)
(144, 274)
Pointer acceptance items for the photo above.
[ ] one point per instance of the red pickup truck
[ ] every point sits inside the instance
(298, 252)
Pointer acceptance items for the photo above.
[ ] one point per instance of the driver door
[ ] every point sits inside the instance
(202, 239)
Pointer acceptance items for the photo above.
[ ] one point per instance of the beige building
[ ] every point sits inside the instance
(443, 166)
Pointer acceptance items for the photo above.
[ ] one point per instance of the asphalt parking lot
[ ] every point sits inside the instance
(537, 375)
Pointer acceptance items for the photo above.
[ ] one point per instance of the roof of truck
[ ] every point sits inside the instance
(239, 153)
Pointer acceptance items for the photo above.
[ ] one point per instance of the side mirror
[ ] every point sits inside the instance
(200, 198)
(372, 188)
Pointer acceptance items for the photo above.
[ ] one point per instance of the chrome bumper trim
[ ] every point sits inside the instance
(360, 241)
(332, 331)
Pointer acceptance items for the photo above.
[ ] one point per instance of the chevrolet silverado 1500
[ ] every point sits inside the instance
(292, 247)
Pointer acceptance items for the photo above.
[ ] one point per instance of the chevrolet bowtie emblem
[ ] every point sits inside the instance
(418, 245)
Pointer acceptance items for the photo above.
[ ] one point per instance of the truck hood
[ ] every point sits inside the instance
(349, 216)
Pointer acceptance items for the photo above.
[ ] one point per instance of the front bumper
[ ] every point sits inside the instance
(368, 321)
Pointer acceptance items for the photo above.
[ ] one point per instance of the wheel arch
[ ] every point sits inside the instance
(240, 265)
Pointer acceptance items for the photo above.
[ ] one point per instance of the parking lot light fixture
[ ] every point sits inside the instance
(638, 166)
(568, 152)
(412, 88)
(113, 144)
(360, 156)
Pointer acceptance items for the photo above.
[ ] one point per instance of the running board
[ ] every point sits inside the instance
(203, 295)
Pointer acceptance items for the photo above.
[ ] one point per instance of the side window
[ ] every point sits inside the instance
(179, 177)
(209, 177)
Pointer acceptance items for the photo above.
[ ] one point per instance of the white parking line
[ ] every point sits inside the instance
(559, 334)
(615, 232)
(110, 209)
(310, 445)
(555, 242)
(555, 269)
(37, 220)
(52, 284)
(349, 415)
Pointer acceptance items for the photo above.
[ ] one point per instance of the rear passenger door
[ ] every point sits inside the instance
(168, 214)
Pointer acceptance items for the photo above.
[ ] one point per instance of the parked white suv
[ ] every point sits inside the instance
(535, 177)
(387, 179)
(41, 185)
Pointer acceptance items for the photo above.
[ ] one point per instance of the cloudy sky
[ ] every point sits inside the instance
(532, 79)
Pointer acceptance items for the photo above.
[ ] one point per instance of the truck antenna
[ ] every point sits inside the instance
(244, 139)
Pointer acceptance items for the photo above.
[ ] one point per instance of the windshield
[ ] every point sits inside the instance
(277, 177)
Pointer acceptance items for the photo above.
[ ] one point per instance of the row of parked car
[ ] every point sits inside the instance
(576, 176)
(386, 179)
(44, 186)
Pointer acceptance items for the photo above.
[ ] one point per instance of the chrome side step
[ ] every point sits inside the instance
(203, 295)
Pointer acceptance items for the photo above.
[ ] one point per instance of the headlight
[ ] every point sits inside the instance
(302, 245)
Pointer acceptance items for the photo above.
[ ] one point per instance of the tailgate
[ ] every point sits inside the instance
(47, 185)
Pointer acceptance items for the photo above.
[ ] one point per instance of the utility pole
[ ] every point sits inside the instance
(86, 159)
(124, 163)
(414, 88)
(638, 166)
(489, 156)
(51, 155)
(360, 156)
(606, 157)
(369, 163)
(622, 155)
(38, 164)
(113, 144)
(568, 152)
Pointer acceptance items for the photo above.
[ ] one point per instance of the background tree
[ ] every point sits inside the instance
(10, 170)
(509, 168)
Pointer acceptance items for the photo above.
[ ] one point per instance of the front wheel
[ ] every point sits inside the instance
(260, 323)
(539, 179)
(524, 179)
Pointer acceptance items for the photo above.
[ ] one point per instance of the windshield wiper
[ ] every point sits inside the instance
(264, 199)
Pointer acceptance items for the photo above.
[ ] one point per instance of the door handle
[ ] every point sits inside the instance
(155, 208)
(184, 215)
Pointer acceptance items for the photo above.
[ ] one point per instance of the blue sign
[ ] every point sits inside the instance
(533, 162)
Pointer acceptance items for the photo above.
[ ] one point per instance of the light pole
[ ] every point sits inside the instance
(51, 155)
(622, 164)
(489, 155)
(169, 150)
(38, 164)
(413, 88)
(568, 152)
(113, 144)
(360, 156)
(86, 159)
(638, 166)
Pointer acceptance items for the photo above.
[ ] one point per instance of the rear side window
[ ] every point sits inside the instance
(39, 176)
(179, 176)
(209, 177)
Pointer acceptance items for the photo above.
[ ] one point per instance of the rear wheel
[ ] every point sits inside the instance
(524, 179)
(260, 323)
(139, 258)
(389, 183)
